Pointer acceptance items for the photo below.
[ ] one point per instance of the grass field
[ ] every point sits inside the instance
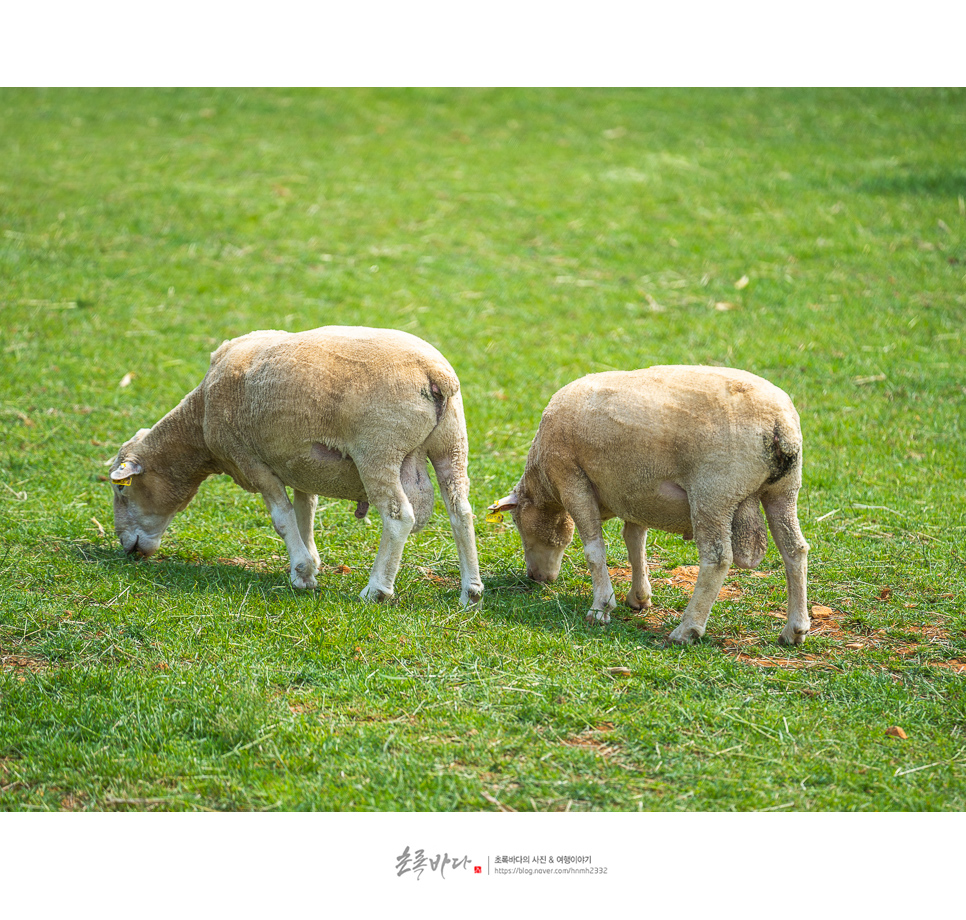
(817, 238)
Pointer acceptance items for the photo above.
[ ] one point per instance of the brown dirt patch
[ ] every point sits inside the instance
(684, 578)
(300, 707)
(847, 635)
(778, 661)
(255, 565)
(72, 802)
(427, 574)
(623, 572)
(654, 619)
(900, 642)
(275, 563)
(957, 664)
(22, 663)
(590, 738)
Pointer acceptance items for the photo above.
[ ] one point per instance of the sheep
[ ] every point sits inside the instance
(344, 412)
(689, 450)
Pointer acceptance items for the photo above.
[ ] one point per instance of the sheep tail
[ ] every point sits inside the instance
(441, 385)
(783, 451)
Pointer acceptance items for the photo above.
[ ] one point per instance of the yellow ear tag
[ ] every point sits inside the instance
(494, 517)
(124, 482)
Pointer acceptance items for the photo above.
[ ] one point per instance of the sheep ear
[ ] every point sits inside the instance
(123, 475)
(494, 514)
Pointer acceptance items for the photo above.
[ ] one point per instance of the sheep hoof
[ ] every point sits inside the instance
(597, 618)
(374, 593)
(304, 582)
(638, 603)
(303, 575)
(791, 636)
(472, 598)
(685, 635)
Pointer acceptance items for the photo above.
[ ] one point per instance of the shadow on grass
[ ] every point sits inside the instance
(519, 601)
(199, 575)
(940, 183)
(511, 599)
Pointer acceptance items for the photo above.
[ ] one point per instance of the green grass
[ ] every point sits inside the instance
(533, 236)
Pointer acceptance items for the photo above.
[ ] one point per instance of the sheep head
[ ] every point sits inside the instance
(546, 531)
(145, 498)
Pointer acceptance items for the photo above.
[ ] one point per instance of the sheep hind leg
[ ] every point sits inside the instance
(397, 523)
(782, 513)
(715, 556)
(454, 485)
(448, 450)
(635, 538)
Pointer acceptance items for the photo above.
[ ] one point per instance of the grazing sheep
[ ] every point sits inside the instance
(344, 412)
(688, 450)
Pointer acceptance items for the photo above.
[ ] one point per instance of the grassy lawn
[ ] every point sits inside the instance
(817, 238)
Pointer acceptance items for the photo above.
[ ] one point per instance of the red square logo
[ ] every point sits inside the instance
(478, 870)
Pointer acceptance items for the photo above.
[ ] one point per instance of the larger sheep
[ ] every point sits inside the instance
(689, 450)
(344, 412)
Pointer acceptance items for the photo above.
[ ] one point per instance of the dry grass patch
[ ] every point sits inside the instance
(684, 577)
(833, 624)
(778, 661)
(255, 565)
(22, 664)
(427, 574)
(827, 622)
(594, 739)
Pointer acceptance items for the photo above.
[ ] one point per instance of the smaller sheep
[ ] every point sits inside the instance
(344, 412)
(689, 450)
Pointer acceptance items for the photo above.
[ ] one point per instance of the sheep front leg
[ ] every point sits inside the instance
(259, 478)
(595, 551)
(303, 565)
(583, 508)
(305, 505)
(635, 537)
(715, 556)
